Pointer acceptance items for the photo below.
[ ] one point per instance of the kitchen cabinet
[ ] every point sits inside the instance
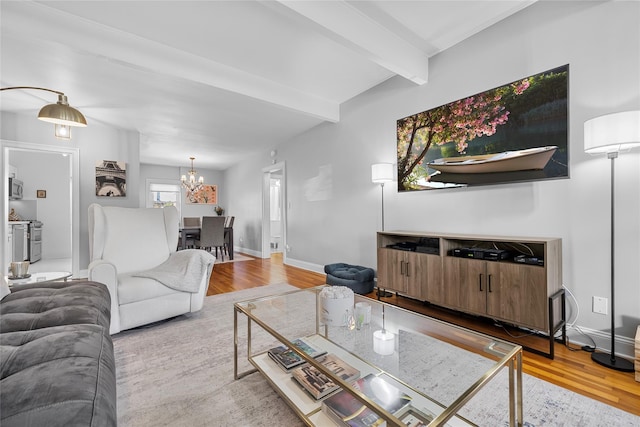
(8, 247)
(19, 241)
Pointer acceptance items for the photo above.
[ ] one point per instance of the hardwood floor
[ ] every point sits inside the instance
(573, 370)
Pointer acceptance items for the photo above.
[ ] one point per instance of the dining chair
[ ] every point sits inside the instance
(227, 227)
(212, 235)
(190, 222)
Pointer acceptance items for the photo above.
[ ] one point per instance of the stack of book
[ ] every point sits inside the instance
(288, 359)
(320, 385)
(346, 410)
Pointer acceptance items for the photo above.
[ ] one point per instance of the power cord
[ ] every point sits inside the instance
(572, 325)
(569, 325)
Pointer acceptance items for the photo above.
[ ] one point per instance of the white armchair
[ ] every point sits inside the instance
(123, 242)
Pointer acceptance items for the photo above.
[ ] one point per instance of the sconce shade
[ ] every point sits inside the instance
(61, 113)
(612, 132)
(381, 173)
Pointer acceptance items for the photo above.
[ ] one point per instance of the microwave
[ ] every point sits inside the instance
(15, 189)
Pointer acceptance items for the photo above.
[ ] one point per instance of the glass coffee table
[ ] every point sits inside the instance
(436, 366)
(49, 276)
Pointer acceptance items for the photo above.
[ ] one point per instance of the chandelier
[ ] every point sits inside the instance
(190, 184)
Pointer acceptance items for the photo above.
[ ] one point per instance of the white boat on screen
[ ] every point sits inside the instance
(506, 161)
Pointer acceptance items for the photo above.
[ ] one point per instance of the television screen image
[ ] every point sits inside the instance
(515, 132)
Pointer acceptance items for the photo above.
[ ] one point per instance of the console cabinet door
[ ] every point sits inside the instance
(517, 293)
(432, 288)
(409, 273)
(391, 270)
(416, 272)
(464, 284)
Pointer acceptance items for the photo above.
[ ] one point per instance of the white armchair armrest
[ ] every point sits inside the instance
(106, 272)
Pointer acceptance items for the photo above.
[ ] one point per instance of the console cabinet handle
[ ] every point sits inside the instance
(489, 283)
(480, 281)
(406, 268)
(402, 268)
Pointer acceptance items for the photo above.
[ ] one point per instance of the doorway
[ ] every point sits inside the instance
(61, 219)
(274, 218)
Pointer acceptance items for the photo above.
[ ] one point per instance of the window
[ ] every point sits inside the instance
(162, 193)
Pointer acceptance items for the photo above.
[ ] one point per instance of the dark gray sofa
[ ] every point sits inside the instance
(57, 364)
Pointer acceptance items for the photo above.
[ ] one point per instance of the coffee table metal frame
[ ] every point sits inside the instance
(507, 355)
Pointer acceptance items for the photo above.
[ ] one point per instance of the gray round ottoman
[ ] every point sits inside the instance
(359, 279)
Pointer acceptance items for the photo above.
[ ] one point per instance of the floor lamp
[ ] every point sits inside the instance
(610, 134)
(381, 173)
(61, 114)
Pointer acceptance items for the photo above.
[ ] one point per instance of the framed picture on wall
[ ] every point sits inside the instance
(41, 194)
(111, 178)
(207, 195)
(513, 133)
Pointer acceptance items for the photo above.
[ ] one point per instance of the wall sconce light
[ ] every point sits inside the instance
(61, 114)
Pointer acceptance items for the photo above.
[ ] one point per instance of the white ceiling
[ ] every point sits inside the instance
(221, 79)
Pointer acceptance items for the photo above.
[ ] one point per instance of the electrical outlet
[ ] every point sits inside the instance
(600, 305)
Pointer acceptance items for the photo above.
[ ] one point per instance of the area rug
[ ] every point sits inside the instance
(236, 258)
(180, 373)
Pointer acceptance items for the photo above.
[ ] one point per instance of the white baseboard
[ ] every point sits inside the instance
(306, 265)
(257, 254)
(290, 261)
(625, 347)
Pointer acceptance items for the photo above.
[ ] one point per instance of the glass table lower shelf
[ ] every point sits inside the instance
(436, 367)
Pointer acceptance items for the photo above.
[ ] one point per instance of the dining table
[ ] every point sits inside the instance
(194, 232)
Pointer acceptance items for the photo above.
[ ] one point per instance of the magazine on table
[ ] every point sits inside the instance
(348, 411)
(288, 359)
(317, 383)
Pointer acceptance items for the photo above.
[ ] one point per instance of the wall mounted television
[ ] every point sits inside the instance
(512, 133)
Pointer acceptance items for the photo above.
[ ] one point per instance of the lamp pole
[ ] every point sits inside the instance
(604, 359)
(382, 191)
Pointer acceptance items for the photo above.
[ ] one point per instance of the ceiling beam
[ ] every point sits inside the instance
(353, 29)
(116, 46)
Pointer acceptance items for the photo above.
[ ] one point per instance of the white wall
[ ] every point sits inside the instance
(601, 43)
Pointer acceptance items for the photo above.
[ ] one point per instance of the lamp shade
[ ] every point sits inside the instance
(612, 132)
(62, 113)
(381, 172)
